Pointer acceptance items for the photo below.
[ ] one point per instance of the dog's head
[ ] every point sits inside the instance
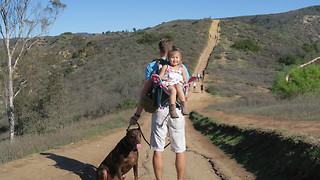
(134, 137)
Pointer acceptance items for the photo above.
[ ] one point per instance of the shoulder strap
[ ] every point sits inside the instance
(160, 61)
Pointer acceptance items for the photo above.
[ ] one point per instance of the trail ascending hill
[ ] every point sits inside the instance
(78, 161)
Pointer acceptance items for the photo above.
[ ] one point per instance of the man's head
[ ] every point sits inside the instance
(165, 46)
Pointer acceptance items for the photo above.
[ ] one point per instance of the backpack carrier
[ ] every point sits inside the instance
(158, 96)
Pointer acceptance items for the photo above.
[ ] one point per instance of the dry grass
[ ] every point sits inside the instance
(35, 143)
(302, 108)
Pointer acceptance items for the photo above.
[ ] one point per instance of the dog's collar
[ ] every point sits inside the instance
(128, 146)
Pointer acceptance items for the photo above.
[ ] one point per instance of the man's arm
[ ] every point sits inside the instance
(146, 87)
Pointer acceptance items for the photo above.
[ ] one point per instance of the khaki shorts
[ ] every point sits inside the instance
(162, 124)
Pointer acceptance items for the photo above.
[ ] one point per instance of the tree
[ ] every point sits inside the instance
(22, 23)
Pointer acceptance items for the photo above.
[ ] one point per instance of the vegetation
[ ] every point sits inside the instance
(22, 24)
(268, 154)
(255, 79)
(73, 78)
(35, 143)
(301, 81)
(246, 45)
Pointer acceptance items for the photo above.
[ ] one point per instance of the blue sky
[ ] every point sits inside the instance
(97, 16)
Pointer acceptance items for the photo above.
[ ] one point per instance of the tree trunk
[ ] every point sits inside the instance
(10, 107)
(11, 123)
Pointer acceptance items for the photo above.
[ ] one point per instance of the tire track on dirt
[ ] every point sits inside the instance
(215, 168)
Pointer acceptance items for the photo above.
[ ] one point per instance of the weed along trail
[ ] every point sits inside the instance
(79, 161)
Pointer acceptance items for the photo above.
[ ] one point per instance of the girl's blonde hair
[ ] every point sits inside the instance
(173, 51)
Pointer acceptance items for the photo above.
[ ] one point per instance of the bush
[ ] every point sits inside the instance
(150, 38)
(127, 103)
(246, 45)
(290, 60)
(308, 47)
(212, 90)
(301, 81)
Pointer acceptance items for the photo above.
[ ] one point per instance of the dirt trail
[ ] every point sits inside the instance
(78, 161)
(206, 52)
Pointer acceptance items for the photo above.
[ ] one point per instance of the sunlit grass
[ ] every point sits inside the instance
(35, 143)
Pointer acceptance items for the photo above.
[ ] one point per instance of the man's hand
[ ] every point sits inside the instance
(134, 119)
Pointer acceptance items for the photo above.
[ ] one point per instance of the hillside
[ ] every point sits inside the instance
(248, 58)
(302, 24)
(74, 77)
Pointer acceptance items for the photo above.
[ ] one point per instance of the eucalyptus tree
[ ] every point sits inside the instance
(22, 24)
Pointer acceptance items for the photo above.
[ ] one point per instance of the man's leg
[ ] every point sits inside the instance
(180, 165)
(157, 164)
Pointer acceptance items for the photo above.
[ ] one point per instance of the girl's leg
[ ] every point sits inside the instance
(173, 94)
(182, 99)
(172, 101)
(180, 92)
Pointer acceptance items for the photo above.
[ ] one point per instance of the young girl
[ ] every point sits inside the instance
(174, 77)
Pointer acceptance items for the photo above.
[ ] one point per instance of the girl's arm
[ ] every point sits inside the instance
(184, 76)
(162, 71)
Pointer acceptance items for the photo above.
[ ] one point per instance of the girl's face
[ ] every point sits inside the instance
(175, 58)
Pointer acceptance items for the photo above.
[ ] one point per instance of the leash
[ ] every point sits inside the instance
(145, 137)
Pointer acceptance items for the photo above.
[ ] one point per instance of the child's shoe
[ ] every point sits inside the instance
(184, 109)
(172, 111)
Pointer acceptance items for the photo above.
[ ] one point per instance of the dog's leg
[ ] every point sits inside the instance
(119, 174)
(102, 174)
(135, 171)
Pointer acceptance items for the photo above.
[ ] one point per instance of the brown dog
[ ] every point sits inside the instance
(122, 158)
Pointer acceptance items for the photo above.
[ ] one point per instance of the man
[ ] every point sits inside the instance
(162, 122)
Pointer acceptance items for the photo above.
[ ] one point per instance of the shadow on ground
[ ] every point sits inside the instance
(84, 171)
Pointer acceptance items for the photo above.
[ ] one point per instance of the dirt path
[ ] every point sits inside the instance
(206, 52)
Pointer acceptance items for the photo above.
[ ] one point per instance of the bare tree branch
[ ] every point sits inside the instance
(302, 65)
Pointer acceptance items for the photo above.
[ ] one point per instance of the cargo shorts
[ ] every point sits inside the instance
(163, 124)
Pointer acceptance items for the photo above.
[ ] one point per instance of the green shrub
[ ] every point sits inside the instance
(246, 45)
(301, 81)
(212, 90)
(127, 103)
(167, 35)
(308, 47)
(290, 60)
(148, 38)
